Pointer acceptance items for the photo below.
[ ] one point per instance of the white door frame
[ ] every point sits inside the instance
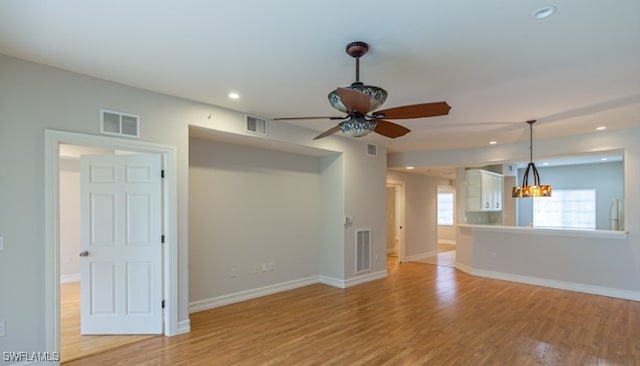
(53, 139)
(400, 224)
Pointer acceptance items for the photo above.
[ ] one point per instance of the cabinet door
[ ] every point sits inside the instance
(474, 191)
(487, 192)
(497, 192)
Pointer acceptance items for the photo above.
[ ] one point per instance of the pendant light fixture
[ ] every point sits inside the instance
(537, 189)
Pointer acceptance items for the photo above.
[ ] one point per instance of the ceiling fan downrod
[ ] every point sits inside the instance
(357, 50)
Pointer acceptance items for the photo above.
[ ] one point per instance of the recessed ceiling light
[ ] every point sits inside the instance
(600, 128)
(493, 142)
(604, 159)
(234, 95)
(409, 168)
(544, 12)
(545, 163)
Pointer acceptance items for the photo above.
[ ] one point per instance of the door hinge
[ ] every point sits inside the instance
(162, 173)
(163, 304)
(162, 239)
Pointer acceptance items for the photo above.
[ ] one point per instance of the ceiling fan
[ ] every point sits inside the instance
(360, 101)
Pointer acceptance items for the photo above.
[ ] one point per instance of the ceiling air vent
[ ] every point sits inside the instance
(372, 149)
(119, 124)
(257, 126)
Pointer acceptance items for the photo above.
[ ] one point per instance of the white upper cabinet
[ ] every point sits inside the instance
(484, 190)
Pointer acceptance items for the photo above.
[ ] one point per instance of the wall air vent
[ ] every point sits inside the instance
(363, 250)
(119, 124)
(257, 126)
(372, 149)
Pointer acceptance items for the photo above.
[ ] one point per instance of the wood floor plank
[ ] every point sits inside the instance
(420, 314)
(73, 344)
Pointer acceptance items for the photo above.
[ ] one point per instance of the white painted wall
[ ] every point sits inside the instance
(420, 230)
(35, 97)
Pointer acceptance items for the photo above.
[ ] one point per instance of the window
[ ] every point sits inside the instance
(445, 208)
(567, 209)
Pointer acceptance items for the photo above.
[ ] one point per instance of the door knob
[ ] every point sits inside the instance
(84, 254)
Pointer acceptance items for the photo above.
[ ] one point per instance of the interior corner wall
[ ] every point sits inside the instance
(332, 210)
(365, 203)
(250, 208)
(420, 216)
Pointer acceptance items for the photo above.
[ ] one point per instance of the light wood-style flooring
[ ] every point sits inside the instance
(73, 345)
(419, 315)
(445, 256)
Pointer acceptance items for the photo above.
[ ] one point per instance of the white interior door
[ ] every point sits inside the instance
(121, 249)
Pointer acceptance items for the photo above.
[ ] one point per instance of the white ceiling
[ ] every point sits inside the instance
(495, 64)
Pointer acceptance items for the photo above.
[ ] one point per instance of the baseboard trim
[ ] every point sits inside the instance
(184, 326)
(444, 241)
(68, 278)
(201, 305)
(561, 285)
(420, 256)
(365, 278)
(331, 281)
(215, 302)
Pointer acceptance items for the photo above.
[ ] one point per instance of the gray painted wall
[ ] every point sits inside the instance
(606, 178)
(250, 207)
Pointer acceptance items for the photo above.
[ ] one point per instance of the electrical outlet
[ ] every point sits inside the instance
(2, 329)
(494, 255)
(264, 267)
(1, 243)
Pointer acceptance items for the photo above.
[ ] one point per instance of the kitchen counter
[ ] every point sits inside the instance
(602, 234)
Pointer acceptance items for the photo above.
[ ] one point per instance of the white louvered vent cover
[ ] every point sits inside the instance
(372, 149)
(120, 124)
(256, 125)
(363, 250)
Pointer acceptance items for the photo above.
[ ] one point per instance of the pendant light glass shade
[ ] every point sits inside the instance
(357, 126)
(537, 189)
(377, 96)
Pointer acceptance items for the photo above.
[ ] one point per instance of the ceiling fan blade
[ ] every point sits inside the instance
(415, 111)
(328, 132)
(354, 100)
(298, 118)
(390, 129)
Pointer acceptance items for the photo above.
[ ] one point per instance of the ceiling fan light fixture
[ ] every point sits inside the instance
(357, 126)
(377, 96)
(537, 189)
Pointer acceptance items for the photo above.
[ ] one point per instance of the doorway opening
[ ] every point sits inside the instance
(395, 222)
(446, 232)
(53, 141)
